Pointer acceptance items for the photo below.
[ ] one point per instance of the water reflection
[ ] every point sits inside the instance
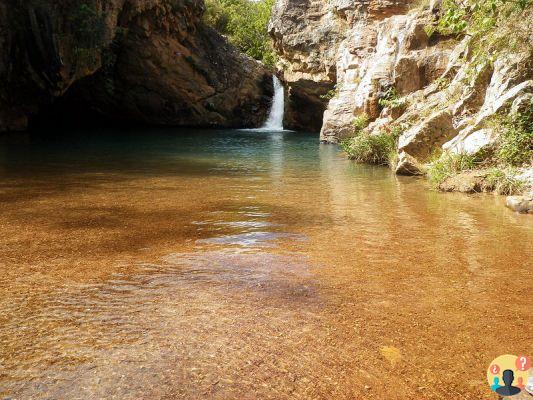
(235, 264)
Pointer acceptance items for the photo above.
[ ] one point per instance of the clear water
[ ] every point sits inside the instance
(240, 264)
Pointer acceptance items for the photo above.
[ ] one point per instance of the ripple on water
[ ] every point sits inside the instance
(86, 338)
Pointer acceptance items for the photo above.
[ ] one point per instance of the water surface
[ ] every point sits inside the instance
(239, 264)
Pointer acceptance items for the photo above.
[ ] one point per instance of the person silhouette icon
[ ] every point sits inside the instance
(520, 383)
(508, 389)
(496, 383)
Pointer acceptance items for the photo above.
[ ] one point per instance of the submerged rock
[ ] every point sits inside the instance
(521, 204)
(152, 61)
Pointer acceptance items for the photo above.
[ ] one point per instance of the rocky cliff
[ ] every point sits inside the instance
(308, 37)
(152, 61)
(396, 74)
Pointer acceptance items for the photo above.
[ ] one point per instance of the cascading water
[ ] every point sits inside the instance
(274, 121)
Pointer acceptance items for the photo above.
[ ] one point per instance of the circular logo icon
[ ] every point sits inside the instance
(508, 374)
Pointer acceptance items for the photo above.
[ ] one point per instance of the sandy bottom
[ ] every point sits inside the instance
(261, 267)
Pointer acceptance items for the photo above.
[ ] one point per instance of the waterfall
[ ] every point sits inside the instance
(274, 121)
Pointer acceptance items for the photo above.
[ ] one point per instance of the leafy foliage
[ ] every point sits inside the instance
(390, 98)
(245, 23)
(453, 18)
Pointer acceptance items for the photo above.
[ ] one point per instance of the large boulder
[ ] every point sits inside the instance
(407, 165)
(520, 204)
(421, 140)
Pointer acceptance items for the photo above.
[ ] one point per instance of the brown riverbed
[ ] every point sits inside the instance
(246, 265)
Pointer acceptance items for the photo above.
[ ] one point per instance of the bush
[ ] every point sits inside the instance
(448, 165)
(493, 26)
(453, 18)
(245, 23)
(359, 123)
(391, 99)
(504, 181)
(372, 149)
(516, 140)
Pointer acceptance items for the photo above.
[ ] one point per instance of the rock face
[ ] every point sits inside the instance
(152, 61)
(306, 35)
(382, 60)
(431, 133)
(387, 67)
(311, 40)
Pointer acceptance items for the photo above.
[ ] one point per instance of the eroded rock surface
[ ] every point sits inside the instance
(314, 40)
(152, 61)
(379, 59)
(388, 68)
(306, 35)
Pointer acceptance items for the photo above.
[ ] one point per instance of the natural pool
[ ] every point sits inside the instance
(244, 264)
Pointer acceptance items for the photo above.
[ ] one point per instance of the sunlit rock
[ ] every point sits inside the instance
(423, 138)
(521, 204)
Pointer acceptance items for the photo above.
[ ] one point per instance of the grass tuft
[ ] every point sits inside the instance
(504, 181)
(448, 165)
(374, 149)
(515, 146)
(359, 123)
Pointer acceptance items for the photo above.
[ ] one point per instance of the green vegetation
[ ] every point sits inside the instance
(515, 145)
(494, 27)
(453, 18)
(373, 149)
(442, 83)
(504, 181)
(514, 149)
(332, 92)
(244, 22)
(391, 99)
(500, 179)
(359, 123)
(329, 94)
(447, 165)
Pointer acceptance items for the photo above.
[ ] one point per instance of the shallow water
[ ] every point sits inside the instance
(240, 264)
